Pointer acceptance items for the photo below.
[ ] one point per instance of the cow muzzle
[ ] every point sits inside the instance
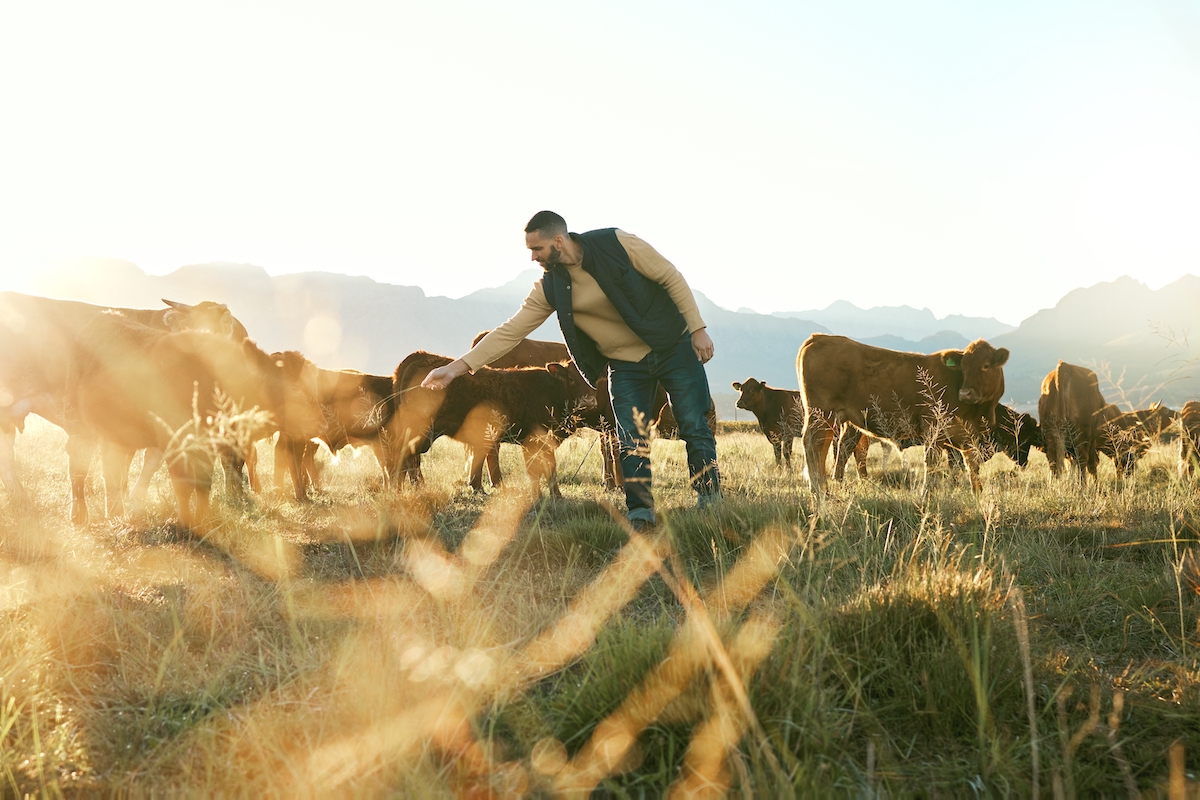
(969, 396)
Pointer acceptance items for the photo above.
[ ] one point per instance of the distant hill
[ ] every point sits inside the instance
(343, 321)
(900, 322)
(1137, 339)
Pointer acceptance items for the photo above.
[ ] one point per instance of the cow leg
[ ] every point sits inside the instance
(380, 450)
(235, 483)
(817, 437)
(116, 462)
(192, 479)
(860, 455)
(252, 468)
(1087, 460)
(282, 464)
(1056, 447)
(540, 463)
(152, 459)
(8, 461)
(479, 455)
(787, 451)
(289, 461)
(493, 467)
(80, 451)
(844, 446)
(308, 464)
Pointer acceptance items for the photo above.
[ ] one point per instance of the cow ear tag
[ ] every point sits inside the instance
(950, 361)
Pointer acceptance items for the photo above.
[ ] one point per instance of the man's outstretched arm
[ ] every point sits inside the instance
(533, 312)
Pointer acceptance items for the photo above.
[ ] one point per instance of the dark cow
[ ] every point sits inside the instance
(184, 394)
(599, 415)
(780, 414)
(1189, 440)
(357, 408)
(1069, 409)
(949, 396)
(1015, 434)
(41, 343)
(534, 353)
(535, 407)
(1126, 437)
(403, 455)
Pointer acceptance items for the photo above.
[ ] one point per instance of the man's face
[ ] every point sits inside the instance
(547, 252)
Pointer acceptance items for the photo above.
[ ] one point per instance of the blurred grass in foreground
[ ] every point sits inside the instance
(434, 643)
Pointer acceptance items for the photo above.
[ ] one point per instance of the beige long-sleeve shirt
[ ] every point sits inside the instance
(594, 314)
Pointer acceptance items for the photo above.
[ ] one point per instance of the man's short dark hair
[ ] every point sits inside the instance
(547, 224)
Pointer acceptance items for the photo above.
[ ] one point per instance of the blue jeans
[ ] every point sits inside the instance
(633, 386)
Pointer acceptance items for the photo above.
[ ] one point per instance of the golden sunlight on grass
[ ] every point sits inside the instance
(901, 636)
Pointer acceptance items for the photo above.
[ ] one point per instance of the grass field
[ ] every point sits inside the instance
(900, 637)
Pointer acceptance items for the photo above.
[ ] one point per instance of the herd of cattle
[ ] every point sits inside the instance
(188, 386)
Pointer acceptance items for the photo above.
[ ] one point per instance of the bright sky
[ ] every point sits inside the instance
(973, 158)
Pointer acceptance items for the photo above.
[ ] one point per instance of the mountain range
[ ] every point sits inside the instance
(1135, 337)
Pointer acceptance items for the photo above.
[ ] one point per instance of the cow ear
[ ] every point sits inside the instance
(1001, 357)
(172, 318)
(953, 359)
(555, 368)
(736, 385)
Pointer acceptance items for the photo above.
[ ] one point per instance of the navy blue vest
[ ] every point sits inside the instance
(645, 305)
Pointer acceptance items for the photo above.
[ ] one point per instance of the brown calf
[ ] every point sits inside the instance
(535, 407)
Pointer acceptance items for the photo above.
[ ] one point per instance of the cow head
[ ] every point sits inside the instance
(1160, 422)
(204, 316)
(294, 391)
(753, 395)
(577, 397)
(982, 368)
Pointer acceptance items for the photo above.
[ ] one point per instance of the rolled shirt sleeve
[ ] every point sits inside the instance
(649, 262)
(533, 312)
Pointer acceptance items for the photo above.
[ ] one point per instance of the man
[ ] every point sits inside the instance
(623, 308)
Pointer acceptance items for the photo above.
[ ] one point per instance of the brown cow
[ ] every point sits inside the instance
(1126, 437)
(357, 408)
(949, 396)
(535, 407)
(403, 455)
(780, 415)
(1069, 409)
(139, 387)
(1189, 441)
(599, 417)
(41, 342)
(534, 353)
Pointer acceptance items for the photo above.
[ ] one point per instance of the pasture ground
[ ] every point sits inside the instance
(901, 637)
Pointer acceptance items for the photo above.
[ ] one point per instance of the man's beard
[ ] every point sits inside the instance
(552, 259)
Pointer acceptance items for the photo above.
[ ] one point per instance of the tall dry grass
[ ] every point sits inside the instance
(901, 636)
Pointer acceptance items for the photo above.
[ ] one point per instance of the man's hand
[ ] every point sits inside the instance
(441, 377)
(702, 343)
